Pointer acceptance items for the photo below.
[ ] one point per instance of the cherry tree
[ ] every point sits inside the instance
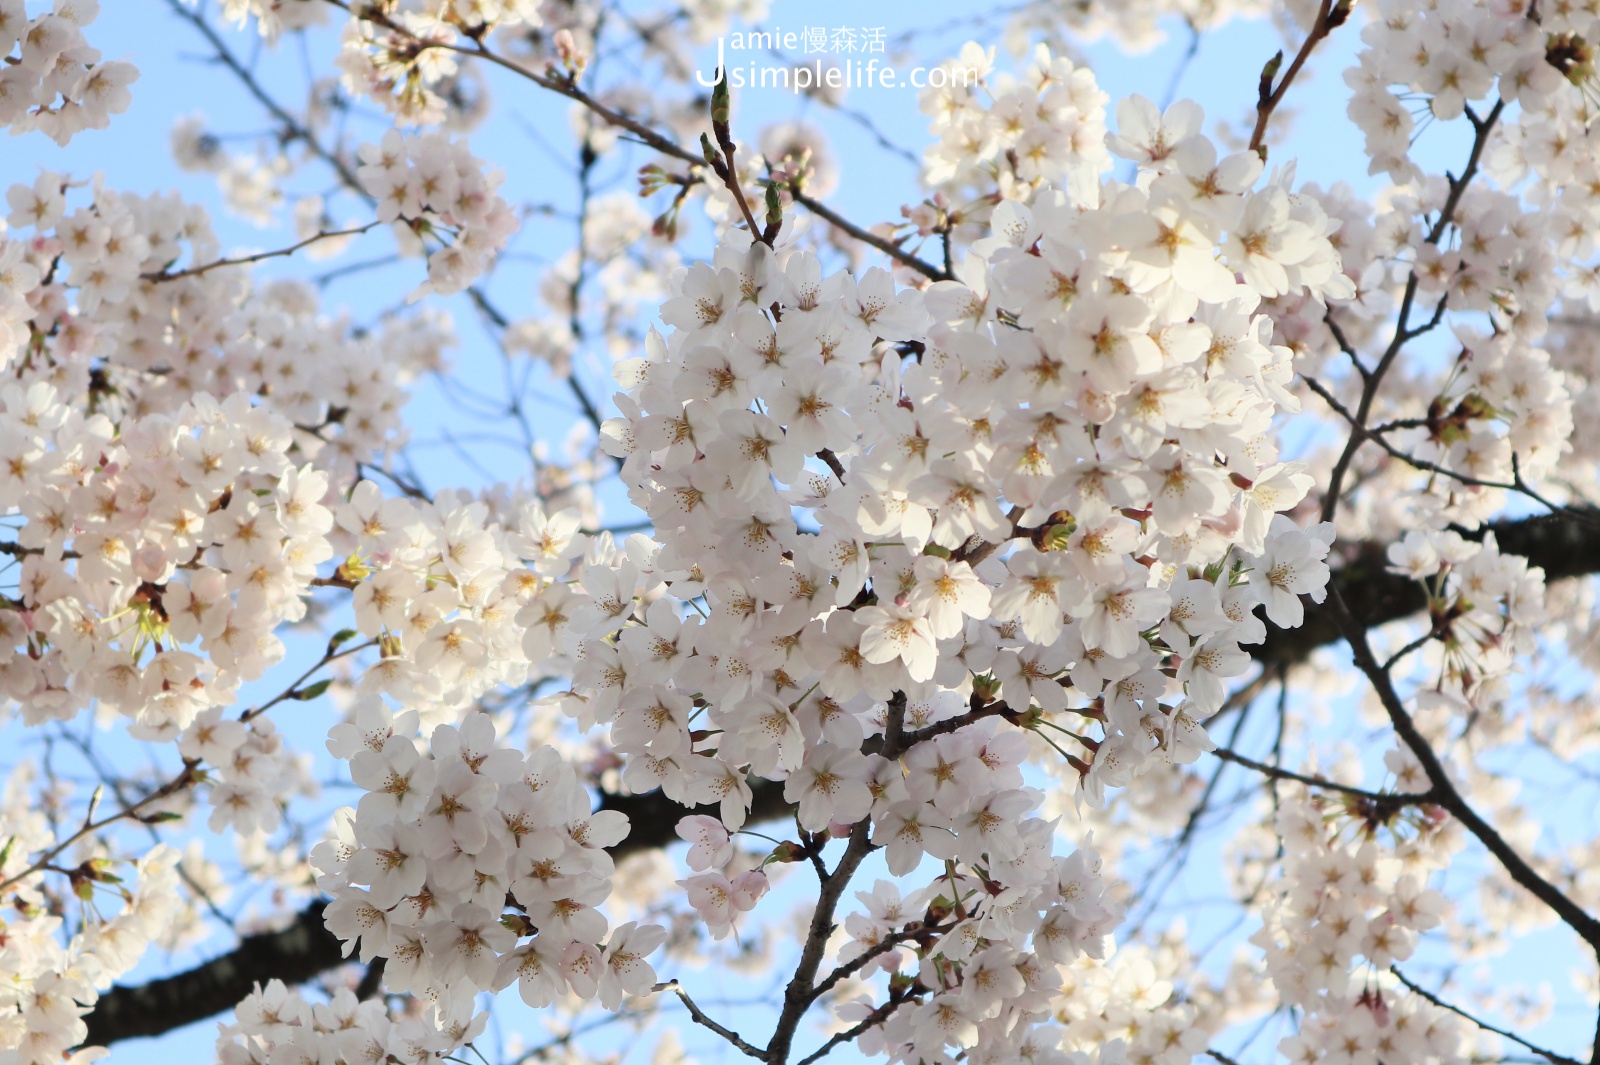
(912, 603)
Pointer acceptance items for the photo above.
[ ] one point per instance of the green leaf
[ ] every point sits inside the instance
(343, 636)
(774, 207)
(721, 104)
(311, 691)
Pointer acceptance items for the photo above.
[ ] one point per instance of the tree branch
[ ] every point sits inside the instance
(195, 271)
(893, 251)
(1549, 1055)
(870, 1021)
(294, 955)
(1330, 15)
(306, 949)
(699, 1017)
(1444, 791)
(1377, 798)
(801, 992)
(1561, 544)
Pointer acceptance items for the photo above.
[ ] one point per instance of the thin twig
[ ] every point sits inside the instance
(1403, 333)
(1548, 1055)
(889, 248)
(883, 946)
(195, 271)
(293, 691)
(1330, 15)
(1375, 435)
(870, 1021)
(1278, 773)
(700, 1018)
(185, 778)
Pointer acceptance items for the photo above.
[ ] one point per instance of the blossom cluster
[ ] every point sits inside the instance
(888, 612)
(994, 974)
(428, 181)
(166, 536)
(276, 1023)
(1108, 463)
(407, 62)
(56, 82)
(1453, 52)
(996, 130)
(1345, 895)
(922, 541)
(440, 845)
(1048, 489)
(717, 899)
(47, 985)
(1484, 610)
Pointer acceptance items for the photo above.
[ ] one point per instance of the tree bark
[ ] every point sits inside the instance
(1563, 545)
(306, 949)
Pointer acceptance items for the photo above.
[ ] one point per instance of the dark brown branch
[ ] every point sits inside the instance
(867, 1023)
(184, 779)
(1444, 790)
(827, 455)
(568, 87)
(699, 1017)
(1560, 544)
(294, 955)
(1385, 799)
(801, 991)
(883, 946)
(892, 250)
(1563, 545)
(1548, 1055)
(1330, 15)
(1377, 437)
(306, 948)
(797, 997)
(1403, 331)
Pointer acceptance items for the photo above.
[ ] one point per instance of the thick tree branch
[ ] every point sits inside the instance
(798, 996)
(1563, 545)
(294, 955)
(802, 990)
(307, 949)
